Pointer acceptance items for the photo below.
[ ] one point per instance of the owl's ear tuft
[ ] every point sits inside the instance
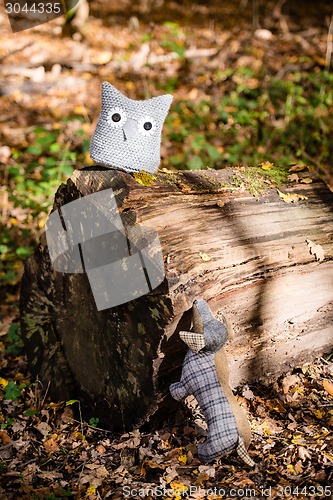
(164, 103)
(108, 91)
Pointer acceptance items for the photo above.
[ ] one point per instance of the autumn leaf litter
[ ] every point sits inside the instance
(48, 451)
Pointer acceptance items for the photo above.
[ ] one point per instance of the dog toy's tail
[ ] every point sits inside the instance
(243, 454)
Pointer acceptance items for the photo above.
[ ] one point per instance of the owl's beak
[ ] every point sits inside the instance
(130, 129)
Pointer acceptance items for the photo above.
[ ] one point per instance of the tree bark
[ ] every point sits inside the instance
(248, 258)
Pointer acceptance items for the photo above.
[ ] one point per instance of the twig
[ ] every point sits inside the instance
(329, 45)
(6, 446)
(47, 390)
(81, 421)
(88, 425)
(15, 51)
(81, 472)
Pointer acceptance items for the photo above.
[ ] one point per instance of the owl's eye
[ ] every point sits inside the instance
(116, 117)
(146, 125)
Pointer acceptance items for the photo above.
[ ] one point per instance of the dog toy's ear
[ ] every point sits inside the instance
(214, 331)
(195, 341)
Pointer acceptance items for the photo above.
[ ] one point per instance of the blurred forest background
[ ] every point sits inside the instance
(253, 89)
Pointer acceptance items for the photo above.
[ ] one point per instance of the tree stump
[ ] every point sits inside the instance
(248, 258)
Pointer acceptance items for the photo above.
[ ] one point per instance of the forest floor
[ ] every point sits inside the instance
(252, 84)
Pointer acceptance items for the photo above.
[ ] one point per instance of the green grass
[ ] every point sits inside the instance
(282, 121)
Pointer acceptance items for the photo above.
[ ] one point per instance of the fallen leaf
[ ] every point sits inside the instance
(318, 413)
(316, 250)
(297, 168)
(289, 381)
(183, 458)
(298, 467)
(329, 456)
(50, 445)
(275, 405)
(303, 453)
(102, 57)
(291, 197)
(5, 154)
(50, 475)
(178, 489)
(328, 386)
(266, 165)
(144, 178)
(4, 437)
(247, 393)
(293, 178)
(306, 180)
(207, 469)
(3, 382)
(43, 428)
(205, 257)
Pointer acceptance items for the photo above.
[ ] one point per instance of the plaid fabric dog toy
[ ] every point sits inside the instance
(200, 378)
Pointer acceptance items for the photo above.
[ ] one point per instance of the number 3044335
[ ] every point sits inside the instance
(34, 8)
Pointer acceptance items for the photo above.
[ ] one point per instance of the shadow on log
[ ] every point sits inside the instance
(247, 258)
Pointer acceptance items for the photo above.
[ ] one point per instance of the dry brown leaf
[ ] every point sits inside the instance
(96, 477)
(4, 437)
(207, 469)
(101, 449)
(306, 180)
(303, 453)
(247, 393)
(289, 381)
(298, 467)
(275, 405)
(43, 428)
(316, 250)
(50, 475)
(293, 178)
(328, 386)
(50, 445)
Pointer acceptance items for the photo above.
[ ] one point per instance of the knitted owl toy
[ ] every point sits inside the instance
(121, 263)
(128, 132)
(205, 375)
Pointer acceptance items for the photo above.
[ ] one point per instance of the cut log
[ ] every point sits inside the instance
(248, 258)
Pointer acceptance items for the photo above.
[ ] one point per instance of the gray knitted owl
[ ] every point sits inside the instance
(128, 132)
(228, 428)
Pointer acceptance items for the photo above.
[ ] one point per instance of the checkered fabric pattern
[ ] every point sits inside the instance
(243, 454)
(199, 378)
(195, 341)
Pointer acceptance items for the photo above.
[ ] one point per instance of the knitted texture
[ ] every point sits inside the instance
(128, 132)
